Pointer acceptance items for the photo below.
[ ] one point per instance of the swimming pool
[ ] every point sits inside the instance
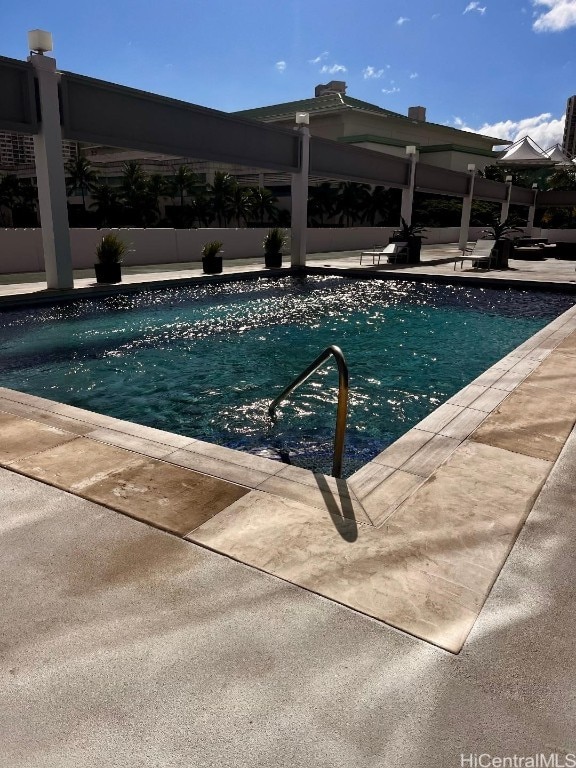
(206, 360)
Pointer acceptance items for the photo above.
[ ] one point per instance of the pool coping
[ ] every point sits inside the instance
(400, 471)
(39, 297)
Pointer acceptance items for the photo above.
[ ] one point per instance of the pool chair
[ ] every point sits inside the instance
(480, 254)
(395, 250)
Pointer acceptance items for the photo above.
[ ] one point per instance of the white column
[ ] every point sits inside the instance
(506, 204)
(532, 211)
(467, 209)
(408, 194)
(51, 181)
(300, 199)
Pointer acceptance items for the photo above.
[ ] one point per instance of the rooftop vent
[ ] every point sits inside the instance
(334, 86)
(417, 113)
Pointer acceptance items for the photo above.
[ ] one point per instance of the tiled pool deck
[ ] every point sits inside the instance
(416, 538)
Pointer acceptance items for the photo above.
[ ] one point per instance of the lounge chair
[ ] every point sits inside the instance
(480, 254)
(392, 249)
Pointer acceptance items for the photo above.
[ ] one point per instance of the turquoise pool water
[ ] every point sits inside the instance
(206, 361)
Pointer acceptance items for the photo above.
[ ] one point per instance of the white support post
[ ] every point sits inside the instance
(506, 204)
(467, 210)
(300, 200)
(407, 202)
(532, 211)
(51, 180)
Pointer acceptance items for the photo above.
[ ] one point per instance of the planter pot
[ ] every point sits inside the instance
(212, 265)
(108, 273)
(273, 260)
(504, 249)
(414, 247)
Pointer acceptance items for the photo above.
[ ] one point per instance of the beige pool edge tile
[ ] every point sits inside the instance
(77, 464)
(22, 437)
(166, 496)
(92, 419)
(339, 560)
(44, 417)
(327, 499)
(387, 496)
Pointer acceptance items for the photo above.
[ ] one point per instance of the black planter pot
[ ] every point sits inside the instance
(273, 260)
(212, 265)
(108, 273)
(414, 247)
(504, 249)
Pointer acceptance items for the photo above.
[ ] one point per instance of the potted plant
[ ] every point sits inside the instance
(499, 231)
(273, 244)
(413, 234)
(211, 261)
(110, 252)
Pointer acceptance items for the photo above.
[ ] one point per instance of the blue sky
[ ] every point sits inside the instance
(505, 67)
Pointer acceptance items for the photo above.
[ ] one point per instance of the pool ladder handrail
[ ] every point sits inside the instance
(342, 409)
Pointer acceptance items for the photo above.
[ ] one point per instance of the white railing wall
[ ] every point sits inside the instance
(21, 249)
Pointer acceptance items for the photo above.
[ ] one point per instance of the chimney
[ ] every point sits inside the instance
(334, 86)
(417, 113)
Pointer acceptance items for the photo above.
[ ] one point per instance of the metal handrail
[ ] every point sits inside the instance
(342, 409)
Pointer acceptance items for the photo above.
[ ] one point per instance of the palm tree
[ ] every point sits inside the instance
(497, 231)
(240, 205)
(183, 181)
(9, 196)
(134, 191)
(26, 203)
(263, 203)
(156, 188)
(201, 209)
(107, 205)
(80, 175)
(351, 200)
(221, 192)
(377, 205)
(322, 201)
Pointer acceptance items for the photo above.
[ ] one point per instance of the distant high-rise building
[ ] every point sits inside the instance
(17, 150)
(569, 142)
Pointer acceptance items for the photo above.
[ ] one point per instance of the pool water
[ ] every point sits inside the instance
(206, 360)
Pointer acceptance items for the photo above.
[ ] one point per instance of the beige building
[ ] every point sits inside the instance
(335, 115)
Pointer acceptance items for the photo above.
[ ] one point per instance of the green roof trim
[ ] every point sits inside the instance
(366, 137)
(458, 148)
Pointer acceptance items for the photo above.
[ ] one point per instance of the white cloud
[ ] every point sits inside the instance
(333, 70)
(319, 58)
(402, 20)
(280, 66)
(475, 6)
(435, 16)
(372, 72)
(413, 75)
(544, 129)
(560, 16)
(389, 91)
